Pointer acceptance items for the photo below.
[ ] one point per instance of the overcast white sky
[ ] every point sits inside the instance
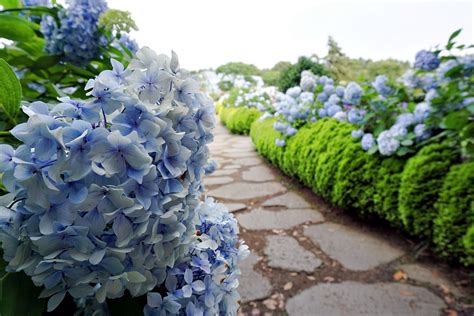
(208, 33)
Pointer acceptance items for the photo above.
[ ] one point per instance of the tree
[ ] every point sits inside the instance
(292, 75)
(238, 68)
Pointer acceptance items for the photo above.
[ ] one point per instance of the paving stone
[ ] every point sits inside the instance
(244, 191)
(232, 167)
(247, 161)
(258, 174)
(285, 219)
(357, 299)
(425, 274)
(222, 172)
(252, 285)
(240, 154)
(290, 200)
(354, 249)
(284, 252)
(234, 207)
(217, 180)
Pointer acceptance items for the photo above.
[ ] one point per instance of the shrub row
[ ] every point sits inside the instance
(238, 119)
(430, 195)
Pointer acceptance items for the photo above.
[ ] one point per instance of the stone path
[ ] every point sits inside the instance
(304, 263)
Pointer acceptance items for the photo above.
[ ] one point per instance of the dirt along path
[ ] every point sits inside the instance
(308, 258)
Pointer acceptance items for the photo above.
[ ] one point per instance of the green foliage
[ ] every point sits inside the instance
(263, 136)
(291, 76)
(403, 192)
(15, 28)
(421, 183)
(344, 68)
(10, 92)
(238, 68)
(357, 172)
(272, 76)
(238, 119)
(118, 21)
(19, 296)
(387, 185)
(455, 208)
(468, 243)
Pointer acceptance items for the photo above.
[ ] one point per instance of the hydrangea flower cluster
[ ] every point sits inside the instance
(426, 60)
(77, 36)
(36, 3)
(390, 117)
(105, 196)
(251, 97)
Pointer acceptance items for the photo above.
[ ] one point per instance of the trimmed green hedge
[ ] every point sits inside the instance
(415, 194)
(238, 119)
(456, 214)
(420, 185)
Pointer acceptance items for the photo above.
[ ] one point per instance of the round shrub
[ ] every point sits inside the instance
(239, 119)
(387, 186)
(468, 243)
(331, 158)
(455, 208)
(421, 183)
(263, 136)
(355, 177)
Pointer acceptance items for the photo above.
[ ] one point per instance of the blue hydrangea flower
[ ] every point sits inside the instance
(77, 37)
(110, 188)
(367, 141)
(387, 143)
(357, 133)
(426, 60)
(280, 142)
(380, 85)
(353, 93)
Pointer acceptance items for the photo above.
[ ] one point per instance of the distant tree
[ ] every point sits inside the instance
(238, 68)
(343, 68)
(292, 75)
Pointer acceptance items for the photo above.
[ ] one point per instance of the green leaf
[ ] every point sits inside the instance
(17, 29)
(453, 36)
(10, 91)
(407, 142)
(9, 4)
(19, 296)
(456, 120)
(135, 277)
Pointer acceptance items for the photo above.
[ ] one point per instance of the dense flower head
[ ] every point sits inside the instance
(77, 37)
(105, 195)
(353, 93)
(127, 41)
(308, 81)
(381, 86)
(36, 3)
(388, 143)
(426, 60)
(367, 141)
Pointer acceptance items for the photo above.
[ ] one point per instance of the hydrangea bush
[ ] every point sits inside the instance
(105, 196)
(435, 100)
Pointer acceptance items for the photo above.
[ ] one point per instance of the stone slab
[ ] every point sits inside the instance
(354, 249)
(284, 252)
(425, 274)
(289, 200)
(252, 284)
(258, 174)
(284, 219)
(234, 207)
(217, 180)
(244, 191)
(247, 161)
(357, 299)
(222, 172)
